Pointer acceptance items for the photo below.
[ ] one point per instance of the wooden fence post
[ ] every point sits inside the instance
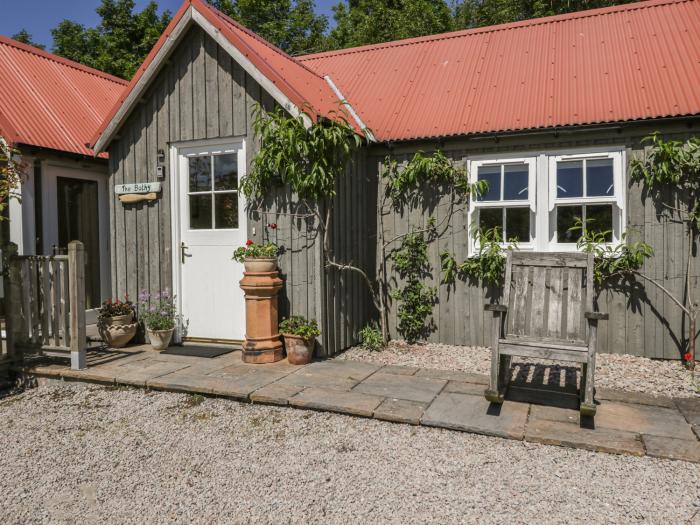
(13, 298)
(76, 279)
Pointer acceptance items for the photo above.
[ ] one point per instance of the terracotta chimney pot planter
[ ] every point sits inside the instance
(262, 341)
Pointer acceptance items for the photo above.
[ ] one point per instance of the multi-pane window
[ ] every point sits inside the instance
(213, 191)
(584, 190)
(538, 201)
(507, 204)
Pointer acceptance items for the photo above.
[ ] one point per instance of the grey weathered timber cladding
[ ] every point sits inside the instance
(643, 322)
(201, 93)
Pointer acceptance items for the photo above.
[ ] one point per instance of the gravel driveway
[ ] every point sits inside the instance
(620, 372)
(84, 453)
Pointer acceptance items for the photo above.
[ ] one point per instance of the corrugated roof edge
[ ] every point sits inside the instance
(544, 129)
(260, 39)
(490, 29)
(61, 60)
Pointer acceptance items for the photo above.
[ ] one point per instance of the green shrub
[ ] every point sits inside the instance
(371, 338)
(300, 326)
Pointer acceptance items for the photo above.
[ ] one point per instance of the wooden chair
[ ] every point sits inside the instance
(547, 313)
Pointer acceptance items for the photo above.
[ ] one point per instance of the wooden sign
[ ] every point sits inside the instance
(131, 198)
(139, 188)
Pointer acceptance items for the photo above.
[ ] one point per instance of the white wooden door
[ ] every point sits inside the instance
(212, 223)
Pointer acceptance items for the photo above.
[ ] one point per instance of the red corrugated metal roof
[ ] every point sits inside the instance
(302, 86)
(51, 102)
(630, 62)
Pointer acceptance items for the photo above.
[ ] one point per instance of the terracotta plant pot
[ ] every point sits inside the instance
(117, 331)
(260, 264)
(160, 339)
(300, 351)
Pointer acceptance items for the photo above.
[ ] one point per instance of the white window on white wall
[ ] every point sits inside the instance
(509, 203)
(536, 200)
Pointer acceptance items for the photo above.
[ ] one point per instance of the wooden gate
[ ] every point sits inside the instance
(45, 303)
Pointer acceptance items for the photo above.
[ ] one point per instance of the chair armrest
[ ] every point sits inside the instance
(496, 307)
(596, 316)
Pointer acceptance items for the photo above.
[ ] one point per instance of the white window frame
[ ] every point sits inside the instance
(617, 200)
(542, 195)
(531, 201)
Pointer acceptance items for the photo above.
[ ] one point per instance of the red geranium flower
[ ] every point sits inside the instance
(248, 242)
(687, 356)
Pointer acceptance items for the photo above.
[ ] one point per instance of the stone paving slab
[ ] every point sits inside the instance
(400, 411)
(399, 370)
(665, 447)
(690, 408)
(353, 403)
(410, 388)
(476, 414)
(453, 375)
(182, 381)
(637, 398)
(572, 435)
(330, 375)
(642, 419)
(460, 387)
(275, 394)
(140, 376)
(626, 422)
(557, 414)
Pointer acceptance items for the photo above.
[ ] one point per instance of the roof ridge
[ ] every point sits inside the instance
(61, 60)
(588, 13)
(260, 39)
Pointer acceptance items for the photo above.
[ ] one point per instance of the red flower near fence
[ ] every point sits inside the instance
(687, 357)
(248, 242)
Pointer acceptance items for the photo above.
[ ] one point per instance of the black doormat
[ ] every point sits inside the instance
(199, 351)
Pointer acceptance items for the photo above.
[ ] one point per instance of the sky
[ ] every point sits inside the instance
(40, 16)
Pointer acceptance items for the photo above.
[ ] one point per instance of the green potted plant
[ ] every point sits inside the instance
(299, 338)
(257, 258)
(115, 322)
(159, 315)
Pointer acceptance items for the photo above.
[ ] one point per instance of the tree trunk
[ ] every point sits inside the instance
(691, 340)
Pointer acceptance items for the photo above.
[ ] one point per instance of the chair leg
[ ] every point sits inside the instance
(494, 392)
(588, 407)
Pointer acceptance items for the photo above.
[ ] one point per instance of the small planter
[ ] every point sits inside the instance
(260, 264)
(117, 331)
(300, 351)
(160, 339)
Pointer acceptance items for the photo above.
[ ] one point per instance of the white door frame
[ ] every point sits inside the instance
(49, 212)
(175, 208)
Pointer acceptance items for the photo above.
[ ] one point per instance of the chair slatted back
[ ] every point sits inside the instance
(547, 295)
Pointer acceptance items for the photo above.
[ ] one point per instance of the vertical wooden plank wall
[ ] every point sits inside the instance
(643, 322)
(201, 93)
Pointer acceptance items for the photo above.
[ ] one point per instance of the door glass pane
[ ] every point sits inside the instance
(78, 221)
(200, 173)
(570, 179)
(515, 181)
(599, 220)
(599, 177)
(566, 218)
(200, 212)
(226, 210)
(492, 176)
(518, 224)
(226, 171)
(491, 218)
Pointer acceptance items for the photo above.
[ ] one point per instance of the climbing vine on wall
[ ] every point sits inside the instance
(415, 298)
(310, 159)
